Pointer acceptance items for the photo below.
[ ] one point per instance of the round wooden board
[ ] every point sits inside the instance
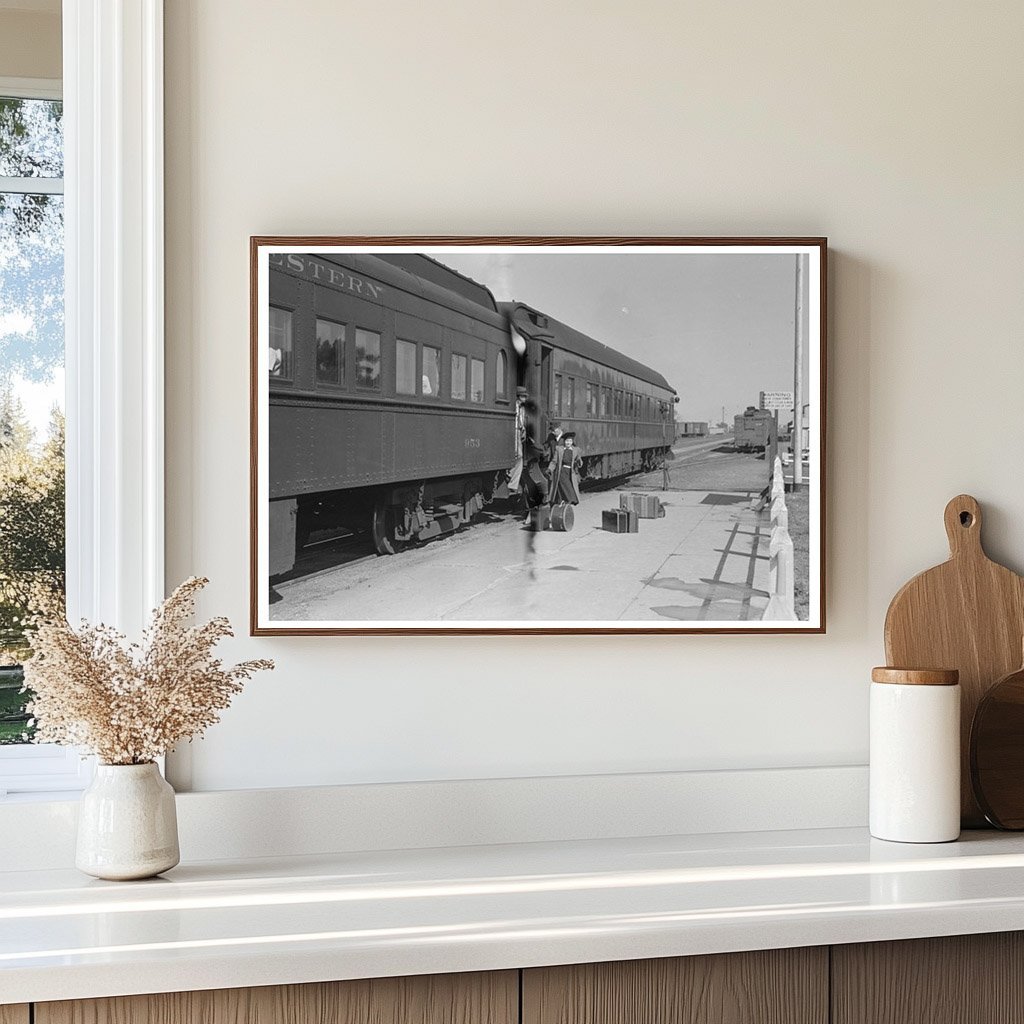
(997, 752)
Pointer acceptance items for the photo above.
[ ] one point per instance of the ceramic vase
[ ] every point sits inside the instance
(127, 825)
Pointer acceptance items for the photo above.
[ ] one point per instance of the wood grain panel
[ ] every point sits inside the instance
(963, 979)
(779, 986)
(482, 998)
(16, 1013)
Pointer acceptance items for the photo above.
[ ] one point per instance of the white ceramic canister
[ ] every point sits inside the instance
(915, 755)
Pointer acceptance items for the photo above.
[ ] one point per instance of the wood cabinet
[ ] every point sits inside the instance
(491, 998)
(777, 986)
(971, 979)
(963, 979)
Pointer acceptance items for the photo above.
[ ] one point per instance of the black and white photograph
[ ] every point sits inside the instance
(537, 435)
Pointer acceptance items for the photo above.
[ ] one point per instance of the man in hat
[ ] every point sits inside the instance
(535, 484)
(516, 473)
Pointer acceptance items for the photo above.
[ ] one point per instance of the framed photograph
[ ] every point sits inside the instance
(537, 435)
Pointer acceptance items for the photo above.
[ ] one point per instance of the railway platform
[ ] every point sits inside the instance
(706, 560)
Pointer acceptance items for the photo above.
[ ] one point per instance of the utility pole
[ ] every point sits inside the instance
(798, 375)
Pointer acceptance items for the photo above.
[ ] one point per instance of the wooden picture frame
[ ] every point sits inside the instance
(385, 416)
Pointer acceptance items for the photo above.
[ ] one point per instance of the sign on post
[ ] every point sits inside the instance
(776, 401)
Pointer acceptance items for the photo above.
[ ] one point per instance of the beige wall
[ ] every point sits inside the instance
(29, 44)
(894, 129)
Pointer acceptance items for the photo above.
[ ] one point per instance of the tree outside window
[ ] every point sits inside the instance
(31, 386)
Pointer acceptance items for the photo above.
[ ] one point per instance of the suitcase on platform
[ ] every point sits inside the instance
(646, 506)
(620, 520)
(559, 517)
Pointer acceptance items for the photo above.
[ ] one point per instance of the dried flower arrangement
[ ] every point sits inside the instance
(128, 704)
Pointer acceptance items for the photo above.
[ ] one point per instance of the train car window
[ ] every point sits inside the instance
(606, 401)
(501, 376)
(618, 401)
(556, 398)
(591, 399)
(280, 342)
(458, 376)
(570, 396)
(405, 367)
(368, 359)
(330, 352)
(476, 380)
(431, 371)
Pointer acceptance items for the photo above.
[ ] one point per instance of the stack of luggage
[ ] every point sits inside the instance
(646, 506)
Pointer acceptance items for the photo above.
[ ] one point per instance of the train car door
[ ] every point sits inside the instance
(545, 380)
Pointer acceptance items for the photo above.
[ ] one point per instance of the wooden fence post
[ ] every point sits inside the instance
(781, 571)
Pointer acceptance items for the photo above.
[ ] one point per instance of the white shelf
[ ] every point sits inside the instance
(226, 924)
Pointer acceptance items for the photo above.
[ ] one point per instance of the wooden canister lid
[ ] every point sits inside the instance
(916, 676)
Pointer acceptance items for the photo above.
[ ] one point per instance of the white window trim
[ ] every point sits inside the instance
(114, 325)
(32, 88)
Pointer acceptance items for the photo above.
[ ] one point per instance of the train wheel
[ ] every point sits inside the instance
(382, 526)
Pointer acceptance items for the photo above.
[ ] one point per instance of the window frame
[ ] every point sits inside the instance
(342, 350)
(112, 89)
(47, 89)
(38, 768)
(377, 387)
(417, 383)
(288, 378)
(473, 363)
(436, 394)
(501, 390)
(465, 377)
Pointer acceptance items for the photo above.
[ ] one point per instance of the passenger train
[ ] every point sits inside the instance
(392, 398)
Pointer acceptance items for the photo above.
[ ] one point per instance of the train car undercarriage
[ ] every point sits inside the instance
(620, 464)
(395, 515)
(400, 515)
(413, 513)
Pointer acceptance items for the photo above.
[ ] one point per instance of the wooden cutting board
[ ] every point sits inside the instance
(967, 614)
